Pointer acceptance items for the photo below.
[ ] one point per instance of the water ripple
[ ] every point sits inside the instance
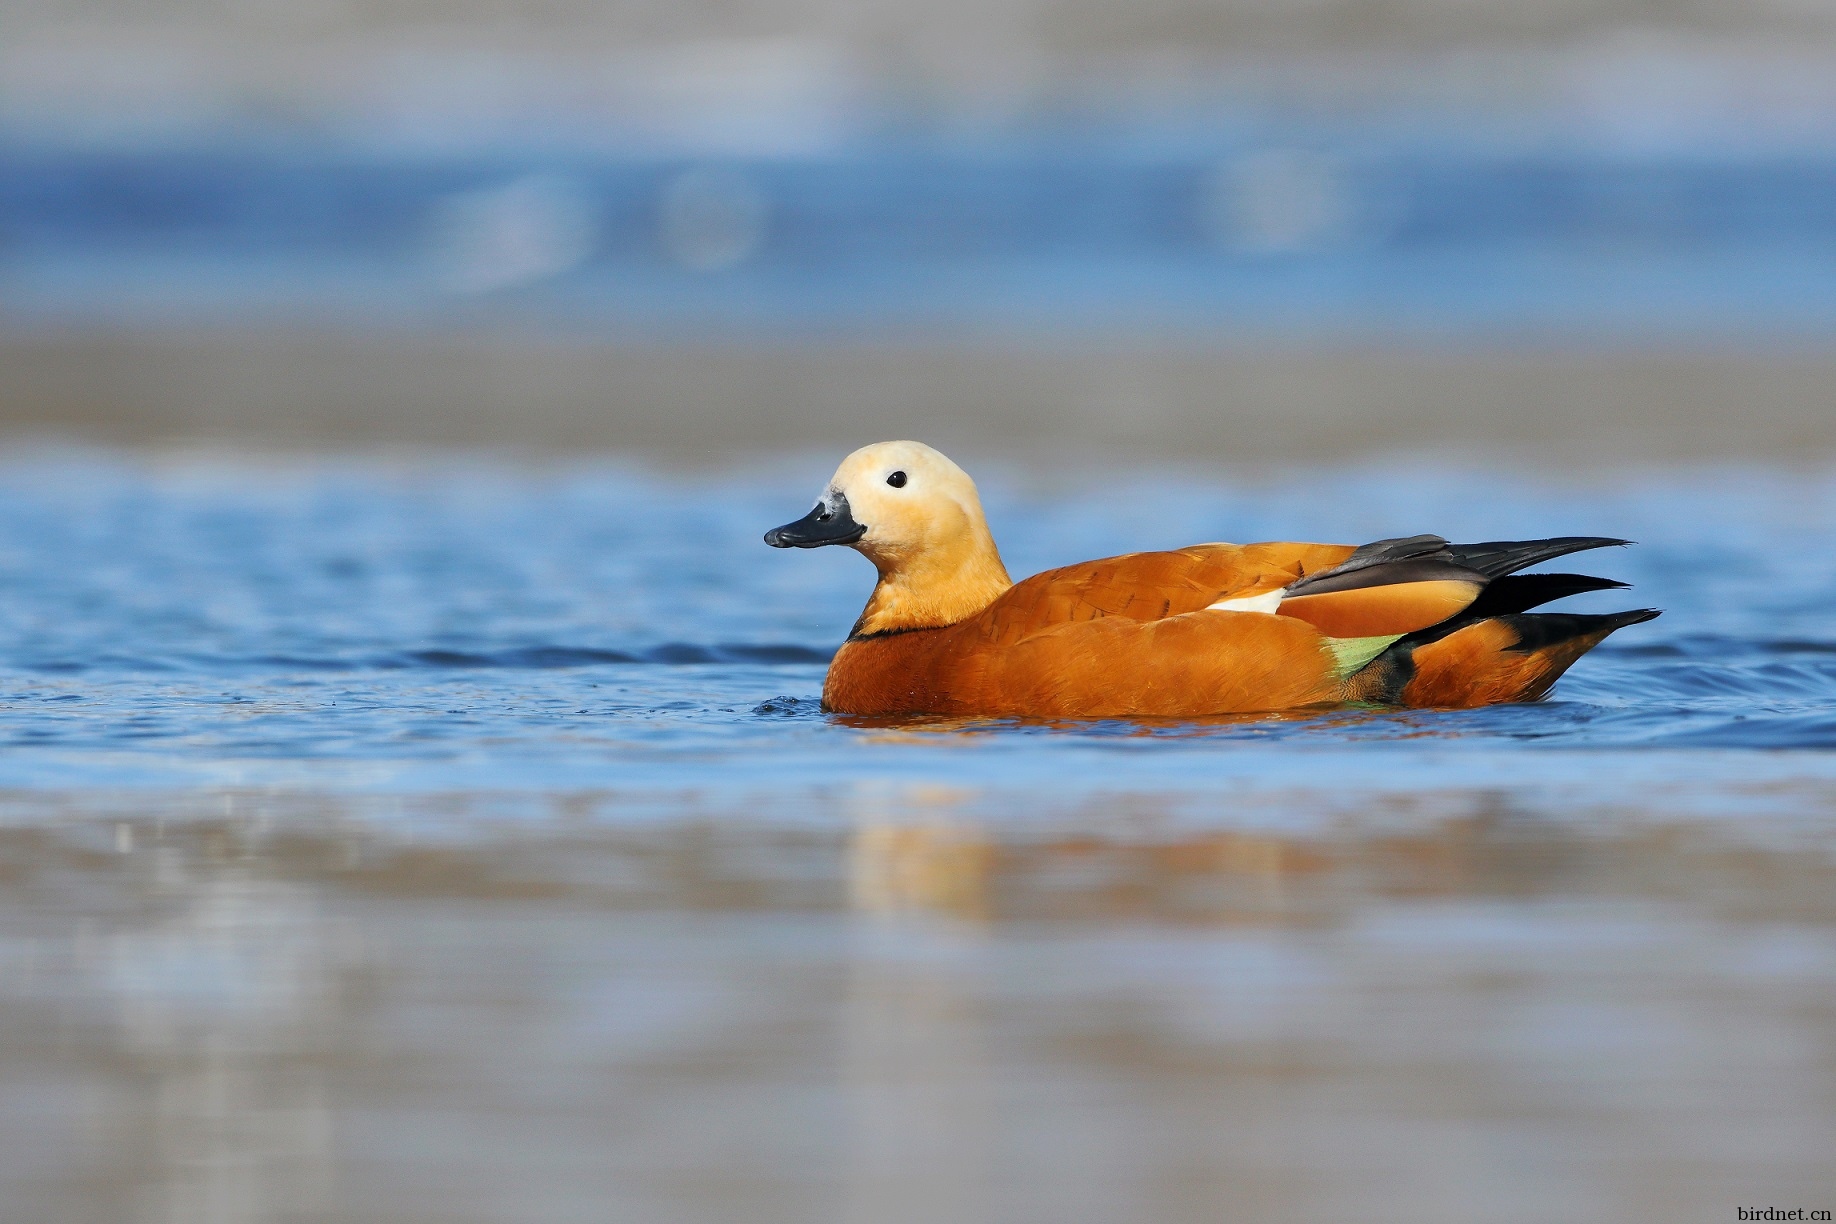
(465, 624)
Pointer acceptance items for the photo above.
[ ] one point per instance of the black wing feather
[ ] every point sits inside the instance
(1425, 558)
(1496, 558)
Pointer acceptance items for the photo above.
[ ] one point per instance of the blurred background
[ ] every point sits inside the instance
(1218, 229)
(415, 803)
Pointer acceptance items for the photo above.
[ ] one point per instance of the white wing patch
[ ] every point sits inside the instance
(1268, 601)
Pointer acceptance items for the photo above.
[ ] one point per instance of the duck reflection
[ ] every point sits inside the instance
(942, 867)
(951, 864)
(955, 868)
(1346, 721)
(915, 1037)
(934, 1003)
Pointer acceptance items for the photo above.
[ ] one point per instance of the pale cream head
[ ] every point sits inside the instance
(918, 518)
(910, 498)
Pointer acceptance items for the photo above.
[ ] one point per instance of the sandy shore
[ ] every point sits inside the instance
(722, 401)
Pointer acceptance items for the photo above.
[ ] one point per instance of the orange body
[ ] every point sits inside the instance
(1120, 637)
(1135, 636)
(1207, 630)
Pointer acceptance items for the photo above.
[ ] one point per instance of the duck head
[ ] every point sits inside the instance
(917, 517)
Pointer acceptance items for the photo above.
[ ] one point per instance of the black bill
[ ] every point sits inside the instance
(829, 523)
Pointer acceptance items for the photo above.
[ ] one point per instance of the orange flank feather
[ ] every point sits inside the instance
(1193, 664)
(1476, 666)
(1209, 629)
(1153, 586)
(1381, 611)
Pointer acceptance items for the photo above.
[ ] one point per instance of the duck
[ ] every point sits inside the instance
(1206, 630)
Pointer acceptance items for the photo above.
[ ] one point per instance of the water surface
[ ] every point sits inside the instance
(451, 624)
(452, 840)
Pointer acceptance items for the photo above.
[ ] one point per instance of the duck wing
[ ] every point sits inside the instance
(1401, 586)
(1153, 586)
(1383, 589)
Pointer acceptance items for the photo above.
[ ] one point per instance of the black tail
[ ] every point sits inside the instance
(1534, 629)
(1521, 592)
(1540, 630)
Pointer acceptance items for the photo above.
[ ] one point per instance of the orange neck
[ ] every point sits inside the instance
(934, 586)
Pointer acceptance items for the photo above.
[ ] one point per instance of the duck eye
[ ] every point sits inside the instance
(896, 480)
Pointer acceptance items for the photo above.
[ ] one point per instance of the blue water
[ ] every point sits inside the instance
(435, 626)
(1256, 226)
(459, 839)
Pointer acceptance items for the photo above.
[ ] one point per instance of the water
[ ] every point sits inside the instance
(447, 624)
(449, 839)
(1271, 224)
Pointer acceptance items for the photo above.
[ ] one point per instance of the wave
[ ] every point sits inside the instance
(542, 657)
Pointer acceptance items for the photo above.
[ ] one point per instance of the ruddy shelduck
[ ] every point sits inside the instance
(1210, 629)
